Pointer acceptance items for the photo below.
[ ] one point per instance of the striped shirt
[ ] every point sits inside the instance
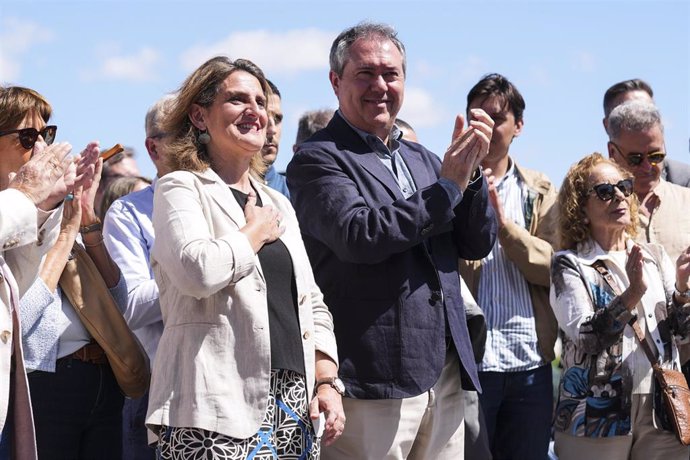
(511, 342)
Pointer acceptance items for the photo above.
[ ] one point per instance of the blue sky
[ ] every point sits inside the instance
(103, 63)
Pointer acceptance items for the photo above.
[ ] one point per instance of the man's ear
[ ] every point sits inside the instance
(335, 81)
(609, 146)
(518, 128)
(196, 116)
(152, 148)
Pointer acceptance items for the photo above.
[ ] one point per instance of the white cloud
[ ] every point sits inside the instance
(584, 62)
(17, 37)
(275, 52)
(420, 110)
(137, 67)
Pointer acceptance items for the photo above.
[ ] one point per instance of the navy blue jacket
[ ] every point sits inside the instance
(388, 266)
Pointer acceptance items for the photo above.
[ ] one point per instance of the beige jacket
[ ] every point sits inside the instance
(669, 223)
(26, 234)
(531, 250)
(213, 363)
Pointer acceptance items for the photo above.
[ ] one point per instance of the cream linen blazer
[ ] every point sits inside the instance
(213, 363)
(23, 244)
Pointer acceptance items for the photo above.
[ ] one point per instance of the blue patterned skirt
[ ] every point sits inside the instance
(286, 432)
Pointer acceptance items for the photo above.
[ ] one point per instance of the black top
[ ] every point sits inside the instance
(281, 293)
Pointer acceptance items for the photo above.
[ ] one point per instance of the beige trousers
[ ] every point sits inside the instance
(428, 426)
(645, 443)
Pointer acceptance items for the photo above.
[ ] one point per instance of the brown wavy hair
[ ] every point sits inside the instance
(16, 102)
(573, 196)
(184, 151)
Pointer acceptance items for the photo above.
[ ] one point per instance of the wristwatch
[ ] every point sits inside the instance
(334, 382)
(96, 226)
(684, 294)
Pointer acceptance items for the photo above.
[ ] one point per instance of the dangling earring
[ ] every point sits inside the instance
(204, 137)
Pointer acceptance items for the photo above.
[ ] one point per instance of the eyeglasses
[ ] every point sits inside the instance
(635, 159)
(606, 192)
(29, 136)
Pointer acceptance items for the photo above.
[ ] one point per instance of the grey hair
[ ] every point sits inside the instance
(312, 121)
(635, 116)
(156, 113)
(342, 43)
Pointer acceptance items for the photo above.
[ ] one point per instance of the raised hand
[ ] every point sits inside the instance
(44, 178)
(683, 271)
(638, 286)
(468, 147)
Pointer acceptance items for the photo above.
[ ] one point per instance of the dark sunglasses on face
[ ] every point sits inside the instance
(29, 136)
(635, 159)
(606, 192)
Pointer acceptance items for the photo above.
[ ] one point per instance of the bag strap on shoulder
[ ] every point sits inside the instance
(610, 280)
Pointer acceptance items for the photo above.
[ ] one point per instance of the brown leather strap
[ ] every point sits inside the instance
(90, 353)
(610, 280)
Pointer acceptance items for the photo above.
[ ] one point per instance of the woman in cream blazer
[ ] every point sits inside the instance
(213, 386)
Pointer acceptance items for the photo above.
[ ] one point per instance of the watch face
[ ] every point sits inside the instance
(339, 386)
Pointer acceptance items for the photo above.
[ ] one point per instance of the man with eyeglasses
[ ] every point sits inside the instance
(635, 89)
(128, 234)
(636, 142)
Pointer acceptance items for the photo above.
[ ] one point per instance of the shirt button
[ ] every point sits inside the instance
(649, 315)
(306, 335)
(5, 336)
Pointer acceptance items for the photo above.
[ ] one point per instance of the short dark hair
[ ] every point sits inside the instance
(497, 85)
(623, 87)
(274, 88)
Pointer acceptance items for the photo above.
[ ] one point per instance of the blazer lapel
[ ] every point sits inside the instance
(362, 154)
(421, 173)
(221, 194)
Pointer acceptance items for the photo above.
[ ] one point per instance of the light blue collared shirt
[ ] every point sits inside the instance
(128, 234)
(394, 162)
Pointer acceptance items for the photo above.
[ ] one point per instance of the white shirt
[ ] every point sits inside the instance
(128, 234)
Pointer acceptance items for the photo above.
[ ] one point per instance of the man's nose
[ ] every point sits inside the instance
(380, 83)
(270, 126)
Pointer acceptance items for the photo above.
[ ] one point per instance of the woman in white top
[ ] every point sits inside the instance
(605, 402)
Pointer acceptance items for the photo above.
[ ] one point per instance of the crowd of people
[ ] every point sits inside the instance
(375, 301)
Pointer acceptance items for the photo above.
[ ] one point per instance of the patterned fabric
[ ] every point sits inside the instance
(599, 347)
(286, 432)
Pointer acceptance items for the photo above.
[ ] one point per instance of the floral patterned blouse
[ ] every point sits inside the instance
(596, 388)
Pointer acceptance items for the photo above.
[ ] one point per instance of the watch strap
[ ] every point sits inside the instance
(330, 381)
(95, 227)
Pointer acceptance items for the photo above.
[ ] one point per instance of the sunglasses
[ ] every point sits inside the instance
(606, 192)
(635, 159)
(29, 136)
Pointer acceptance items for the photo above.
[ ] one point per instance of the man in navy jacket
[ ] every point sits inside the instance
(384, 223)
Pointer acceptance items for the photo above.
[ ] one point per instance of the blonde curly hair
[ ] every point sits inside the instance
(572, 198)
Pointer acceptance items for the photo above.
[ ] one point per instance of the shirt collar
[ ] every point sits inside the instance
(511, 172)
(371, 139)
